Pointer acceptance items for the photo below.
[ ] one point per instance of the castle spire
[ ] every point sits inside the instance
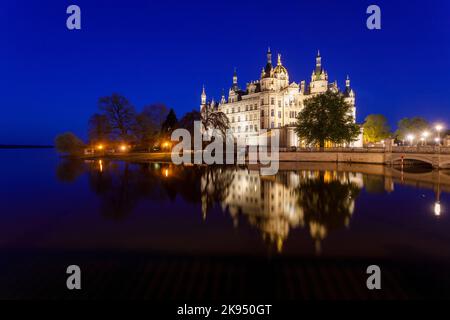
(269, 56)
(318, 61)
(347, 82)
(235, 86)
(203, 96)
(279, 59)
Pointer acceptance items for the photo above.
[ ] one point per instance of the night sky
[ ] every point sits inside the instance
(164, 51)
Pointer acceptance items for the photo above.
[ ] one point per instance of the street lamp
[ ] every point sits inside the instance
(439, 128)
(437, 208)
(425, 135)
(410, 138)
(123, 147)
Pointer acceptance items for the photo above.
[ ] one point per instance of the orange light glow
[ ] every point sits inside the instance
(100, 147)
(123, 147)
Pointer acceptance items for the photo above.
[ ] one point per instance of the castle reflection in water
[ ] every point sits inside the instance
(316, 200)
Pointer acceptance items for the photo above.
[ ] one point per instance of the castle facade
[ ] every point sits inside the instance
(273, 102)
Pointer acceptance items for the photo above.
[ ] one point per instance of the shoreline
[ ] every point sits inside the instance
(424, 179)
(334, 157)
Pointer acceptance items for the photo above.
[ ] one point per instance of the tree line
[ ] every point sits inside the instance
(118, 122)
(325, 118)
(376, 129)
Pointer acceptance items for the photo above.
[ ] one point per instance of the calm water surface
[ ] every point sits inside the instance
(310, 220)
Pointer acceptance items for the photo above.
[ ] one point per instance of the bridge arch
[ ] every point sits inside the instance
(445, 164)
(415, 157)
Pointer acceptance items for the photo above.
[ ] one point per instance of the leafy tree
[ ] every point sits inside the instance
(215, 120)
(376, 128)
(327, 117)
(99, 128)
(170, 123)
(120, 113)
(68, 143)
(414, 126)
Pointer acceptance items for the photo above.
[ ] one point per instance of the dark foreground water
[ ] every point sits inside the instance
(159, 231)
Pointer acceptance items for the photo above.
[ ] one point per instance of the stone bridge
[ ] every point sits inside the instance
(438, 157)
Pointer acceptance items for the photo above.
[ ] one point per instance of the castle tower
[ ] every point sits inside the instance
(267, 70)
(203, 99)
(222, 99)
(318, 63)
(319, 77)
(349, 95)
(235, 80)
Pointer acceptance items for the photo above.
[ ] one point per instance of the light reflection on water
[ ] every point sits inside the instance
(316, 198)
(310, 227)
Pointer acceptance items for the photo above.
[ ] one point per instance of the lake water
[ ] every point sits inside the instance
(158, 231)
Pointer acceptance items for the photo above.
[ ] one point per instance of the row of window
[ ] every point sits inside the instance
(255, 106)
(248, 117)
(292, 114)
(250, 128)
(247, 108)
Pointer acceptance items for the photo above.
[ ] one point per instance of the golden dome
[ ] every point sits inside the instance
(280, 69)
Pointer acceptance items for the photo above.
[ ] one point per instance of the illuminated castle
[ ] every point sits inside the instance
(272, 102)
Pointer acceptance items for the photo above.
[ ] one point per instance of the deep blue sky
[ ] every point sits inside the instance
(163, 51)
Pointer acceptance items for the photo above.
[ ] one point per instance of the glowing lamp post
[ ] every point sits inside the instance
(437, 209)
(123, 148)
(410, 138)
(425, 135)
(439, 128)
(166, 145)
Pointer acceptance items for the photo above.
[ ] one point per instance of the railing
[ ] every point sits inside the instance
(403, 149)
(421, 149)
(331, 149)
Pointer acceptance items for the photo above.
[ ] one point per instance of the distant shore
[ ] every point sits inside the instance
(25, 146)
(134, 157)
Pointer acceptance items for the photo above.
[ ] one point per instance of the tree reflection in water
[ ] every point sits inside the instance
(320, 201)
(69, 169)
(327, 200)
(121, 185)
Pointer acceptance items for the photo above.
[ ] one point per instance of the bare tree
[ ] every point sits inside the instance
(120, 113)
(99, 128)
